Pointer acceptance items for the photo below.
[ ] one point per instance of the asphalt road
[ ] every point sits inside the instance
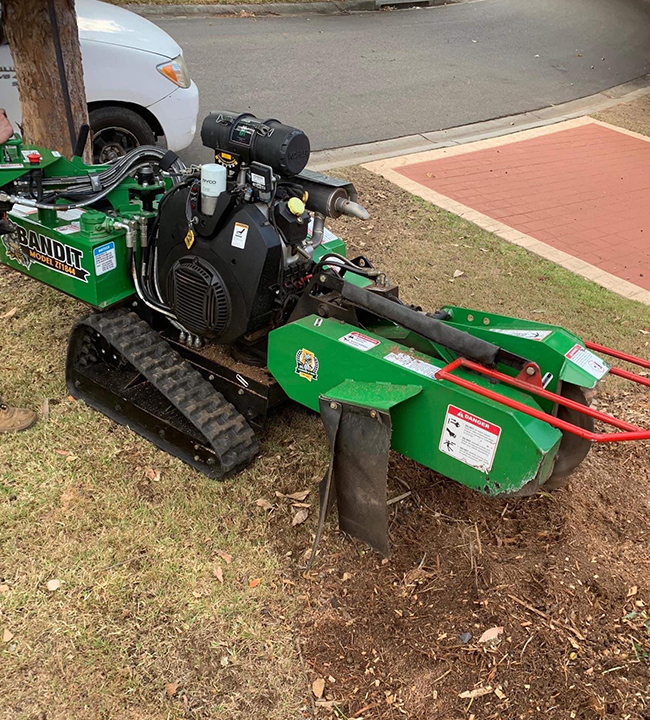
(358, 78)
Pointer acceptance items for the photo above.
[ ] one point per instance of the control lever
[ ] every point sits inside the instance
(353, 209)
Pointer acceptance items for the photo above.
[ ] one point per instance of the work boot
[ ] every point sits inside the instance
(15, 419)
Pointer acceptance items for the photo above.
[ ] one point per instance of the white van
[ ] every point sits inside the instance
(137, 84)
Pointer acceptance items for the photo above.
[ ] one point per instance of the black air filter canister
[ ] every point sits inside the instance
(286, 149)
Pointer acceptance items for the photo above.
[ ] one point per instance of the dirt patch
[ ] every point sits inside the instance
(634, 115)
(565, 575)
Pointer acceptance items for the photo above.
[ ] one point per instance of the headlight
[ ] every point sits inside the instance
(176, 71)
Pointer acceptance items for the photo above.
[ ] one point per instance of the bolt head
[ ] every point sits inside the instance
(373, 413)
(333, 405)
(322, 278)
(530, 370)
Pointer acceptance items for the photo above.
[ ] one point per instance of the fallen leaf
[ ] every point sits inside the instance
(499, 693)
(264, 504)
(318, 687)
(153, 475)
(491, 636)
(224, 556)
(4, 589)
(7, 636)
(45, 409)
(65, 453)
(53, 585)
(458, 273)
(300, 495)
(346, 576)
(9, 313)
(632, 591)
(300, 504)
(478, 692)
(171, 688)
(218, 573)
(71, 458)
(300, 516)
(255, 582)
(644, 332)
(223, 661)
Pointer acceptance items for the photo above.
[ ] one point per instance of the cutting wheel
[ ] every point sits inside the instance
(573, 449)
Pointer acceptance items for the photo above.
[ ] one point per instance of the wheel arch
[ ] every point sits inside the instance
(145, 114)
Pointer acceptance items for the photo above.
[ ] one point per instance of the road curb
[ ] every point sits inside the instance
(328, 7)
(409, 144)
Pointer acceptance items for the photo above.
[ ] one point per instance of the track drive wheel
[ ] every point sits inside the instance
(573, 449)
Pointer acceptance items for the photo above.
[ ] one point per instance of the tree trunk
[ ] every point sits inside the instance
(29, 31)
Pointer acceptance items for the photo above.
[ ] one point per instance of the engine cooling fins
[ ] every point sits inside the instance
(120, 366)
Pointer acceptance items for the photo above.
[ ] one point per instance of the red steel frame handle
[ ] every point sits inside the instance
(630, 432)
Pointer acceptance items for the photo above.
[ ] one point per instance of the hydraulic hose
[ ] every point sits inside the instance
(107, 180)
(456, 340)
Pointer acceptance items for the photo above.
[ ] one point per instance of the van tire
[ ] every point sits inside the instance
(116, 130)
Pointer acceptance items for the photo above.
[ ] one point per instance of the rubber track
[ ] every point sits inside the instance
(226, 429)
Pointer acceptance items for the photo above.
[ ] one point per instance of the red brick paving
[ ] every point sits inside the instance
(583, 190)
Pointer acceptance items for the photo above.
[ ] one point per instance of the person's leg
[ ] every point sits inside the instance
(15, 419)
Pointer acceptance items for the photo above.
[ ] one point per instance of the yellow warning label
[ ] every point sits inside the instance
(189, 238)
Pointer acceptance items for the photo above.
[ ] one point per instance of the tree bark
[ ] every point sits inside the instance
(30, 35)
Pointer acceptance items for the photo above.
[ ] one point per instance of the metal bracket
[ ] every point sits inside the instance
(359, 439)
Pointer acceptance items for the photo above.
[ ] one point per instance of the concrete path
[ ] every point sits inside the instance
(577, 193)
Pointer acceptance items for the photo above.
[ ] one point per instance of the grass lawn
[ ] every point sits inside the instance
(141, 625)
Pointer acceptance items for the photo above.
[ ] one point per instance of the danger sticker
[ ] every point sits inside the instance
(359, 341)
(68, 229)
(421, 367)
(469, 439)
(538, 335)
(23, 210)
(239, 234)
(589, 362)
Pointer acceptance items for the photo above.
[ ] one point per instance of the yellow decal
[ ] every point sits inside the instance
(307, 365)
(189, 239)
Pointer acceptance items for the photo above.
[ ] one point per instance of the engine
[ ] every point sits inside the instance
(235, 244)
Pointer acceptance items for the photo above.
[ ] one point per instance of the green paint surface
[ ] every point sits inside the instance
(74, 261)
(525, 448)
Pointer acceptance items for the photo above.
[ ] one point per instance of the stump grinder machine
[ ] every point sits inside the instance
(217, 293)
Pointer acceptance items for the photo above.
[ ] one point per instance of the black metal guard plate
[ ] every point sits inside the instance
(359, 439)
